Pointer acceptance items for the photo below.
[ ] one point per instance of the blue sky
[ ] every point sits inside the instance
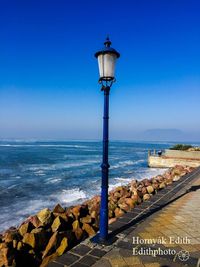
(48, 72)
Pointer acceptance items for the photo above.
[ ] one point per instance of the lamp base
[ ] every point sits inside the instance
(106, 242)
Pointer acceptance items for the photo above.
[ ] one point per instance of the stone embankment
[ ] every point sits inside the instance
(170, 158)
(49, 233)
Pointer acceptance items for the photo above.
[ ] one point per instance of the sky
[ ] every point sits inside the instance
(49, 76)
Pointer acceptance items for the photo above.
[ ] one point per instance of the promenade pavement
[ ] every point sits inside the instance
(175, 229)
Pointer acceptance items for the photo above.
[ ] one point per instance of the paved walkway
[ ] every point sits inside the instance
(161, 232)
(175, 230)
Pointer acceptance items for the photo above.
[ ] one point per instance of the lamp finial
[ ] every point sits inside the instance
(107, 42)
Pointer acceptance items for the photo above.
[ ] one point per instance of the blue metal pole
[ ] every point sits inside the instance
(103, 235)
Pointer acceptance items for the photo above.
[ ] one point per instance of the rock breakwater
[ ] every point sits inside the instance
(49, 233)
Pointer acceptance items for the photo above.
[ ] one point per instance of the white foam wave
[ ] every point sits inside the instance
(112, 186)
(123, 179)
(42, 145)
(53, 180)
(149, 173)
(121, 164)
(39, 169)
(71, 195)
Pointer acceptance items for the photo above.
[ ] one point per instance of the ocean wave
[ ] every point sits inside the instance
(38, 169)
(71, 195)
(53, 180)
(122, 164)
(42, 145)
(123, 179)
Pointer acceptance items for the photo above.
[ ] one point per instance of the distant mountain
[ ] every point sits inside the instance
(163, 135)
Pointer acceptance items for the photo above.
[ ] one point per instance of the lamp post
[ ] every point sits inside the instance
(106, 61)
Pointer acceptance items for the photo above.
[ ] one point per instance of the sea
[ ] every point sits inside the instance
(36, 174)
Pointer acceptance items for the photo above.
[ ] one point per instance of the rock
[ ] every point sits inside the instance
(147, 182)
(42, 237)
(155, 185)
(35, 221)
(110, 213)
(168, 181)
(59, 224)
(150, 189)
(130, 202)
(58, 209)
(162, 185)
(7, 257)
(14, 243)
(160, 178)
(25, 228)
(80, 211)
(29, 239)
(86, 219)
(135, 199)
(45, 216)
(63, 246)
(90, 231)
(77, 229)
(144, 190)
(176, 178)
(133, 184)
(117, 195)
(19, 245)
(48, 259)
(124, 207)
(118, 212)
(51, 246)
(112, 220)
(146, 197)
(134, 191)
(11, 235)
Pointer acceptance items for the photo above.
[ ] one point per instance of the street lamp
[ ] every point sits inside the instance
(106, 60)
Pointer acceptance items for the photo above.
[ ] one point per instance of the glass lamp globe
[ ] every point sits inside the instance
(107, 60)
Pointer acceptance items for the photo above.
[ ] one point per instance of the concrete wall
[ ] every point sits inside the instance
(162, 162)
(182, 154)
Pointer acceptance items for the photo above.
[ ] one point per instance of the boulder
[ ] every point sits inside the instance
(162, 185)
(124, 207)
(176, 178)
(25, 228)
(63, 246)
(58, 209)
(89, 230)
(77, 229)
(51, 246)
(155, 185)
(118, 212)
(7, 257)
(150, 189)
(19, 245)
(87, 219)
(35, 221)
(144, 190)
(45, 216)
(29, 239)
(10, 235)
(130, 202)
(146, 197)
(42, 237)
(59, 224)
(48, 259)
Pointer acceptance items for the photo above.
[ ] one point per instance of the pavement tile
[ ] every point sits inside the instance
(97, 252)
(55, 264)
(88, 260)
(67, 258)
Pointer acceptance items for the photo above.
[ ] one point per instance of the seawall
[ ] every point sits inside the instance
(174, 157)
